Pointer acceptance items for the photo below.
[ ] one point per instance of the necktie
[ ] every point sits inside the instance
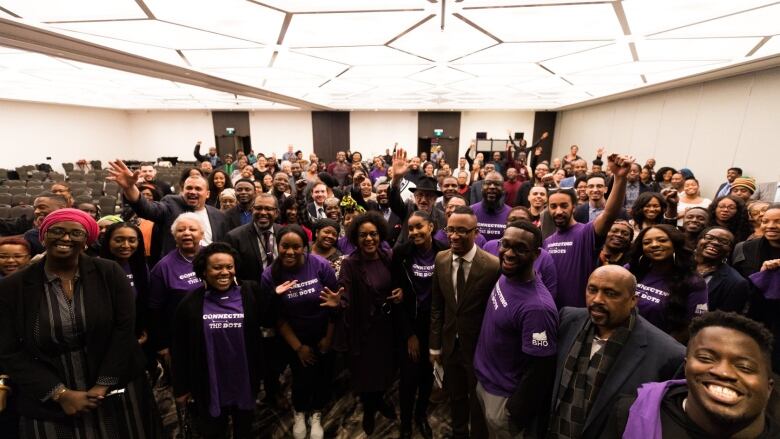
(269, 251)
(320, 212)
(460, 285)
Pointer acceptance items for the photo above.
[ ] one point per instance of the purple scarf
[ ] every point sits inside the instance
(644, 416)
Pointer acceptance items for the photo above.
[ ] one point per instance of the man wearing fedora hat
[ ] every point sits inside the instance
(425, 195)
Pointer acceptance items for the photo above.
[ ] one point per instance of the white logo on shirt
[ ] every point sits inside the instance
(701, 308)
(539, 338)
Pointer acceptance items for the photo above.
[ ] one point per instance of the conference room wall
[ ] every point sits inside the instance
(706, 127)
(495, 124)
(371, 132)
(171, 133)
(33, 131)
(272, 131)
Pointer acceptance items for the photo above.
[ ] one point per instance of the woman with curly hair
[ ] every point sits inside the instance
(218, 181)
(649, 209)
(663, 178)
(730, 212)
(669, 291)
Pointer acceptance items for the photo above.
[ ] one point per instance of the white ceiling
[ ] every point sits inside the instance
(360, 54)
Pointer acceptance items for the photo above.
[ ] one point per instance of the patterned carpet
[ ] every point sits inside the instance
(341, 419)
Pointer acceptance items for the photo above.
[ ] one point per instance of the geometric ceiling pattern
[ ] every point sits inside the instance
(389, 55)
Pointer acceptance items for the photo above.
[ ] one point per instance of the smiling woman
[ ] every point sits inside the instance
(68, 353)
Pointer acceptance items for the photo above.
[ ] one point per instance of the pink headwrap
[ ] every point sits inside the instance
(68, 214)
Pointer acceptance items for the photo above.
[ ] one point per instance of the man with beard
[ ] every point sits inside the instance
(539, 172)
(425, 195)
(241, 213)
(43, 205)
(449, 207)
(574, 245)
(463, 278)
(604, 351)
(727, 290)
(515, 356)
(491, 212)
(414, 172)
(694, 221)
(340, 168)
(725, 393)
(194, 193)
(580, 169)
(296, 173)
(617, 244)
(475, 192)
(212, 157)
(393, 221)
(449, 187)
(148, 174)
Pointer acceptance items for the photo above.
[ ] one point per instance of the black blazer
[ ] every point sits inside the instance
(190, 368)
(648, 355)
(233, 217)
(727, 290)
(111, 347)
(244, 240)
(165, 211)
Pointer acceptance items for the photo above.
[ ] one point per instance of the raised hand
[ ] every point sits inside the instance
(399, 164)
(671, 196)
(284, 287)
(600, 152)
(121, 174)
(620, 164)
(331, 299)
(544, 135)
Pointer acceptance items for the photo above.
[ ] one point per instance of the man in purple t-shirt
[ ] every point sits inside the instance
(515, 353)
(574, 246)
(491, 212)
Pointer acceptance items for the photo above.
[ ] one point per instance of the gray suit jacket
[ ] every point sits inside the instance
(648, 355)
(766, 192)
(461, 317)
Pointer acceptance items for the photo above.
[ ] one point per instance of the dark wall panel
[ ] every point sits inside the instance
(545, 121)
(449, 121)
(330, 132)
(231, 119)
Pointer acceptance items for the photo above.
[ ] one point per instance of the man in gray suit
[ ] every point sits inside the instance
(463, 278)
(605, 350)
(769, 192)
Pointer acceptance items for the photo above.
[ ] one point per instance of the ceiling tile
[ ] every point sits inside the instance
(164, 54)
(757, 22)
(307, 64)
(157, 33)
(397, 71)
(348, 29)
(529, 52)
(362, 55)
(695, 48)
(609, 55)
(228, 58)
(456, 40)
(440, 76)
(651, 16)
(771, 47)
(502, 70)
(341, 5)
(237, 18)
(549, 23)
(74, 10)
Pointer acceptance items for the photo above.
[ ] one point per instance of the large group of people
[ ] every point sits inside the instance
(543, 298)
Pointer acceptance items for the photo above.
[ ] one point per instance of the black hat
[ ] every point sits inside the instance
(426, 184)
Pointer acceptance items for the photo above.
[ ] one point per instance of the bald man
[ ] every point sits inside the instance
(607, 349)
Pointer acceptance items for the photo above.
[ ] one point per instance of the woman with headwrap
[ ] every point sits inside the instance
(66, 340)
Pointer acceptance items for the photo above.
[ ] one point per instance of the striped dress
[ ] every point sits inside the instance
(60, 331)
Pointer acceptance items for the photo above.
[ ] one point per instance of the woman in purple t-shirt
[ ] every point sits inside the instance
(414, 261)
(326, 233)
(669, 291)
(216, 345)
(306, 292)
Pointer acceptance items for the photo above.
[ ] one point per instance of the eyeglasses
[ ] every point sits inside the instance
(462, 231)
(57, 232)
(368, 235)
(711, 238)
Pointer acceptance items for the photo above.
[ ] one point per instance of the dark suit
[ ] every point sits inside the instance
(455, 326)
(110, 344)
(233, 216)
(727, 290)
(720, 188)
(582, 213)
(245, 240)
(648, 355)
(165, 211)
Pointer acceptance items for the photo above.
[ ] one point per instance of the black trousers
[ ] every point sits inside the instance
(416, 377)
(461, 386)
(217, 428)
(275, 354)
(311, 385)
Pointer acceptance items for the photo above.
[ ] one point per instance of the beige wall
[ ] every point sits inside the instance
(706, 127)
(272, 131)
(155, 134)
(371, 132)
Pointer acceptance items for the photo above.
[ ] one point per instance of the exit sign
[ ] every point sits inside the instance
(438, 132)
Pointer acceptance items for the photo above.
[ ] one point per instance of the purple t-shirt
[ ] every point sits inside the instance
(442, 237)
(491, 224)
(226, 359)
(171, 279)
(300, 305)
(544, 266)
(422, 274)
(376, 173)
(653, 297)
(521, 321)
(574, 253)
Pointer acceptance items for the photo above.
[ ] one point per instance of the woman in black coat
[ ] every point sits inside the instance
(67, 341)
(371, 298)
(414, 261)
(216, 346)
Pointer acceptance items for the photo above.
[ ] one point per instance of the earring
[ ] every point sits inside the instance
(674, 257)
(235, 280)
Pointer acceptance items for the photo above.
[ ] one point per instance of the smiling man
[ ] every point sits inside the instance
(491, 212)
(604, 351)
(516, 350)
(725, 392)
